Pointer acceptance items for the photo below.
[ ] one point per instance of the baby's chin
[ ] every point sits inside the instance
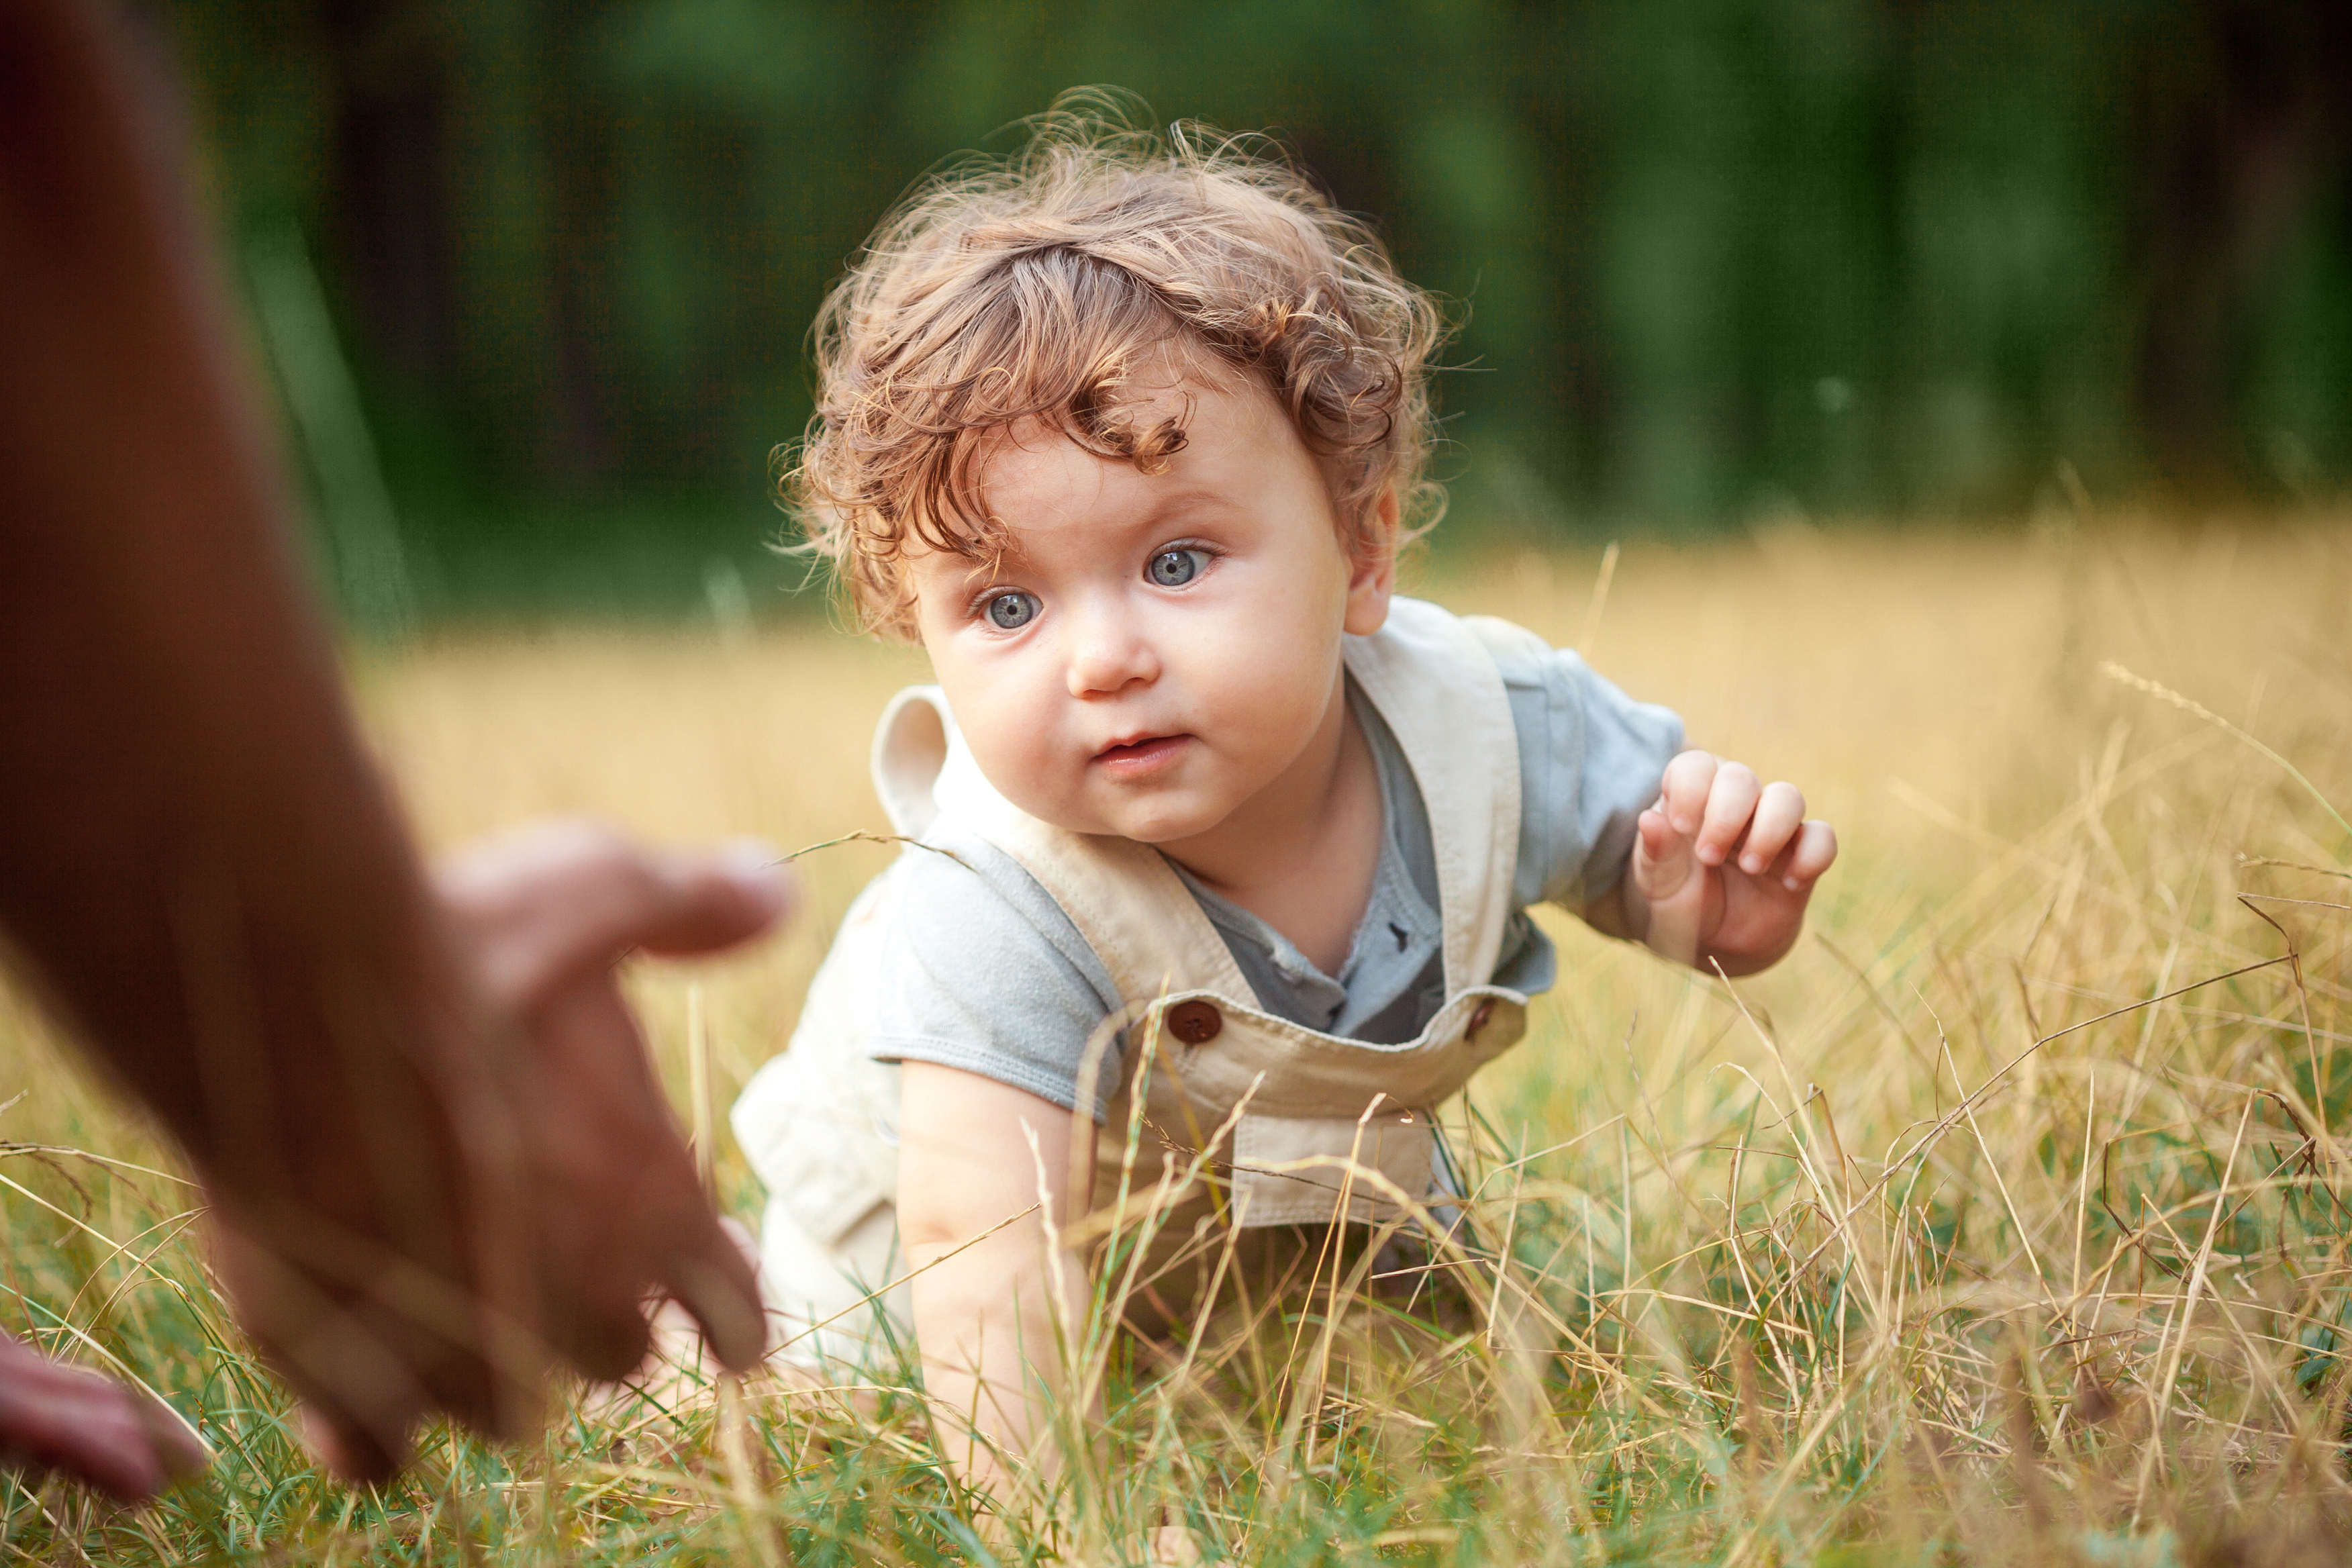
(1163, 817)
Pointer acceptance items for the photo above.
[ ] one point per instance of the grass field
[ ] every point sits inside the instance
(2003, 1223)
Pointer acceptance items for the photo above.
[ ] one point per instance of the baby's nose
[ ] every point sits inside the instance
(1106, 653)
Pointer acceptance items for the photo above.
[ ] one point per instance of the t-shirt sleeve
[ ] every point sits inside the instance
(1589, 761)
(982, 970)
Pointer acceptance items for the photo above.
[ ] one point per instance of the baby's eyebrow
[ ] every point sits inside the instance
(1192, 497)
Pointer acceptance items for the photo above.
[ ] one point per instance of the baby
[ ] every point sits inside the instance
(1225, 850)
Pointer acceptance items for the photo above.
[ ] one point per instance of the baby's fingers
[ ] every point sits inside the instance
(1671, 886)
(1780, 813)
(1730, 806)
(1662, 860)
(1811, 853)
(1682, 791)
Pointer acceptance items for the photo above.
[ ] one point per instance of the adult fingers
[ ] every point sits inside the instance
(353, 1449)
(364, 1370)
(1682, 791)
(599, 1261)
(717, 1283)
(711, 900)
(545, 902)
(1730, 803)
(603, 1333)
(681, 1250)
(1779, 812)
(177, 1446)
(360, 1403)
(77, 1423)
(609, 1171)
(624, 1211)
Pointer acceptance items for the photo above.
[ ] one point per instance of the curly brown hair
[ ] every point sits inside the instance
(1040, 287)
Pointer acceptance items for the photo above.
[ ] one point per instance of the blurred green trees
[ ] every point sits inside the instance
(1711, 256)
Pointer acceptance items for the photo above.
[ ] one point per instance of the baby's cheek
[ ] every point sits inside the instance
(1034, 775)
(1273, 694)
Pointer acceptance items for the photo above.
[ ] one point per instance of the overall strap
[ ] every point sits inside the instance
(1432, 676)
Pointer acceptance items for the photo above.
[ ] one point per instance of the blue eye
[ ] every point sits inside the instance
(1175, 568)
(1011, 612)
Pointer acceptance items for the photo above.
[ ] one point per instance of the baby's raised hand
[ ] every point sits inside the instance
(1722, 867)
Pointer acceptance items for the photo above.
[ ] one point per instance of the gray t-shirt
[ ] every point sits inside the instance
(986, 974)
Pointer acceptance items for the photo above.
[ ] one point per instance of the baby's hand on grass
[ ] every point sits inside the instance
(1722, 867)
(1172, 1546)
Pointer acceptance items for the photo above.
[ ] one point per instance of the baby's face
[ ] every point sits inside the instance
(1157, 651)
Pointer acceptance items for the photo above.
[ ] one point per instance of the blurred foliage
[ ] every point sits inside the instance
(1713, 257)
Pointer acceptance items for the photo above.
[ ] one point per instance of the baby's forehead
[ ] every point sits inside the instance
(1200, 442)
(1188, 411)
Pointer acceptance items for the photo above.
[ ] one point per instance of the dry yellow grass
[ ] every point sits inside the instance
(1823, 1257)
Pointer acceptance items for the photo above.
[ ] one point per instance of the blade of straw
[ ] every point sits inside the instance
(734, 1434)
(2190, 705)
(1601, 582)
(698, 1074)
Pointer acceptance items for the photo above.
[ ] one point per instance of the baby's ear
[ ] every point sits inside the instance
(1371, 564)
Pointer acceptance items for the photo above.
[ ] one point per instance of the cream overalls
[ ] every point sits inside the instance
(819, 1122)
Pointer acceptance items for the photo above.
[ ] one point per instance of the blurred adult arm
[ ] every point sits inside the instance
(432, 1142)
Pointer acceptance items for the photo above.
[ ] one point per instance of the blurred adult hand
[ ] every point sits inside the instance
(584, 1206)
(61, 1419)
(545, 913)
(435, 1152)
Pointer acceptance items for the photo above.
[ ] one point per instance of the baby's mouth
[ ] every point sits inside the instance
(1140, 758)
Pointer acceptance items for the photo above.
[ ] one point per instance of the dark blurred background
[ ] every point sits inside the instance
(535, 275)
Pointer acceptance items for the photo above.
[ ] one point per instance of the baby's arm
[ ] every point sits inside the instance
(985, 1319)
(1721, 869)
